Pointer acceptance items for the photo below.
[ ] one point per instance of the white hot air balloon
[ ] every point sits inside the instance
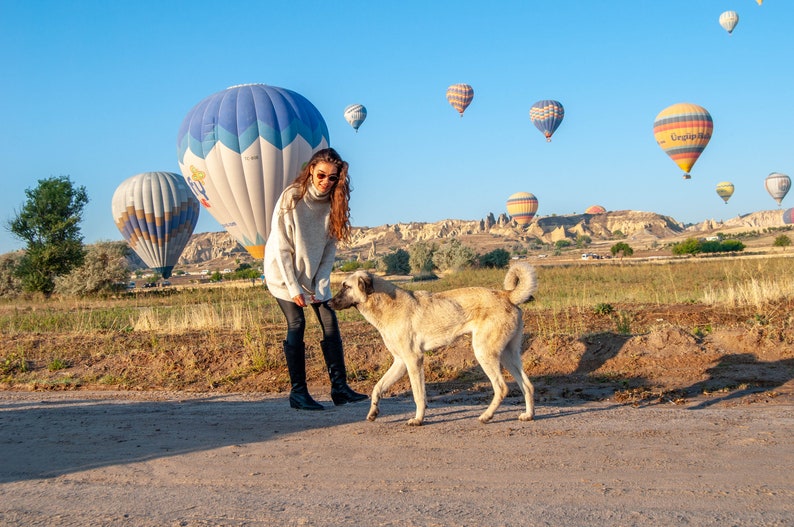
(240, 148)
(728, 20)
(355, 114)
(777, 185)
(156, 213)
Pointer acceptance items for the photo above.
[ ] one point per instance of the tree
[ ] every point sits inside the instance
(421, 257)
(623, 248)
(105, 269)
(688, 246)
(397, 262)
(49, 223)
(454, 256)
(782, 241)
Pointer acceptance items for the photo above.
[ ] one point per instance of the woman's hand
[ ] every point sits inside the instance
(299, 300)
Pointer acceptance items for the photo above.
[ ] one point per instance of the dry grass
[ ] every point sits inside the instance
(229, 338)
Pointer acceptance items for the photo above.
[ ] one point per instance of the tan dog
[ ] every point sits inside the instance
(412, 323)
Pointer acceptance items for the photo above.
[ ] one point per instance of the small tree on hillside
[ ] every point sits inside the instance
(623, 248)
(420, 257)
(782, 241)
(49, 223)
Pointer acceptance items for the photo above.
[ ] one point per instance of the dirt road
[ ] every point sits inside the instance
(169, 459)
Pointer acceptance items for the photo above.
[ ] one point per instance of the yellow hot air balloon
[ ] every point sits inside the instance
(683, 130)
(759, 2)
(522, 206)
(725, 190)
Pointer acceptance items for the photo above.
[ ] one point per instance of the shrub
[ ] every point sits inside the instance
(498, 258)
(782, 241)
(623, 248)
(397, 262)
(453, 256)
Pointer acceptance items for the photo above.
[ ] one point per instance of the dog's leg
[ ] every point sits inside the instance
(513, 364)
(392, 375)
(416, 374)
(487, 354)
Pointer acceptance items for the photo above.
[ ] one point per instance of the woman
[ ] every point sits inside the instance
(310, 217)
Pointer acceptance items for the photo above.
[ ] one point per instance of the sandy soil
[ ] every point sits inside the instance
(177, 459)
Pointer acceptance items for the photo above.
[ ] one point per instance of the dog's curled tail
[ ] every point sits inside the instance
(521, 282)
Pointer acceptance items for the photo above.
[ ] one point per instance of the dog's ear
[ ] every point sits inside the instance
(365, 284)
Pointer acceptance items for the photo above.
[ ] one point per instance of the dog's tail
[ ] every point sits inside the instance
(521, 282)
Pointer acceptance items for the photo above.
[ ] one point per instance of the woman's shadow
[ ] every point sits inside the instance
(739, 375)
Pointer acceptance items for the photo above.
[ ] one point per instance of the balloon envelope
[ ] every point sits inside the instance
(355, 115)
(460, 96)
(522, 207)
(683, 130)
(239, 148)
(595, 209)
(156, 213)
(725, 190)
(547, 116)
(777, 185)
(728, 20)
(788, 216)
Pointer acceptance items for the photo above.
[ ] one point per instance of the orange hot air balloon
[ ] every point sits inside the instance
(683, 130)
(460, 96)
(522, 207)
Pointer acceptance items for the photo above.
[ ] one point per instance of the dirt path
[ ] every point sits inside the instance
(155, 459)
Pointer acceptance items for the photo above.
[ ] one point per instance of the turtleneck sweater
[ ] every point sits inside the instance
(299, 253)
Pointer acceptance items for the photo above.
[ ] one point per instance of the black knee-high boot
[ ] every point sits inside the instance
(296, 364)
(341, 393)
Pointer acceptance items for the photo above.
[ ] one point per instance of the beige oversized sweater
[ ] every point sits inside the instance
(299, 253)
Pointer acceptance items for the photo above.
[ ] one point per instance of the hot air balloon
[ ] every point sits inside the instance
(683, 130)
(595, 209)
(725, 190)
(788, 216)
(547, 115)
(759, 2)
(355, 115)
(239, 148)
(460, 96)
(156, 213)
(522, 206)
(777, 185)
(728, 20)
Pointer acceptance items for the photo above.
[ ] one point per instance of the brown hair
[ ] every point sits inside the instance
(339, 221)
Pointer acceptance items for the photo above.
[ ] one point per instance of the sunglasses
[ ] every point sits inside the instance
(332, 177)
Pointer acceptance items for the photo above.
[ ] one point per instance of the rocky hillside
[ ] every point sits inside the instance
(491, 232)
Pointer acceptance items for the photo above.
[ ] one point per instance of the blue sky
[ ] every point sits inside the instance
(96, 90)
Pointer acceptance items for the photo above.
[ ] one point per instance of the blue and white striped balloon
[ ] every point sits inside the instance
(240, 148)
(355, 115)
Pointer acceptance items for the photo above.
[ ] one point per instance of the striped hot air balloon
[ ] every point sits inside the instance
(156, 213)
(547, 116)
(239, 148)
(522, 207)
(683, 130)
(355, 115)
(460, 96)
(725, 190)
(777, 185)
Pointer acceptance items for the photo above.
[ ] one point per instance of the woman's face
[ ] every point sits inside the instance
(324, 176)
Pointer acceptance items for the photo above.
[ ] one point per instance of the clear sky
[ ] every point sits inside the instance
(97, 90)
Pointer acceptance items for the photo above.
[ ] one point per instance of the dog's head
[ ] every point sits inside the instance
(354, 291)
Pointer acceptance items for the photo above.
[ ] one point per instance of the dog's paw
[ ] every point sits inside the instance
(414, 422)
(485, 418)
(526, 416)
(373, 414)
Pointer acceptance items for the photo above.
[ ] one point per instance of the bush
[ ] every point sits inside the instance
(454, 256)
(623, 248)
(498, 259)
(688, 246)
(782, 241)
(421, 257)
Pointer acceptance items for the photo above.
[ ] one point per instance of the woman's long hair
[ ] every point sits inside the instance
(339, 221)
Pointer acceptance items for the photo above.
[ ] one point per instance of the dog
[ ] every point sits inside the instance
(414, 322)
